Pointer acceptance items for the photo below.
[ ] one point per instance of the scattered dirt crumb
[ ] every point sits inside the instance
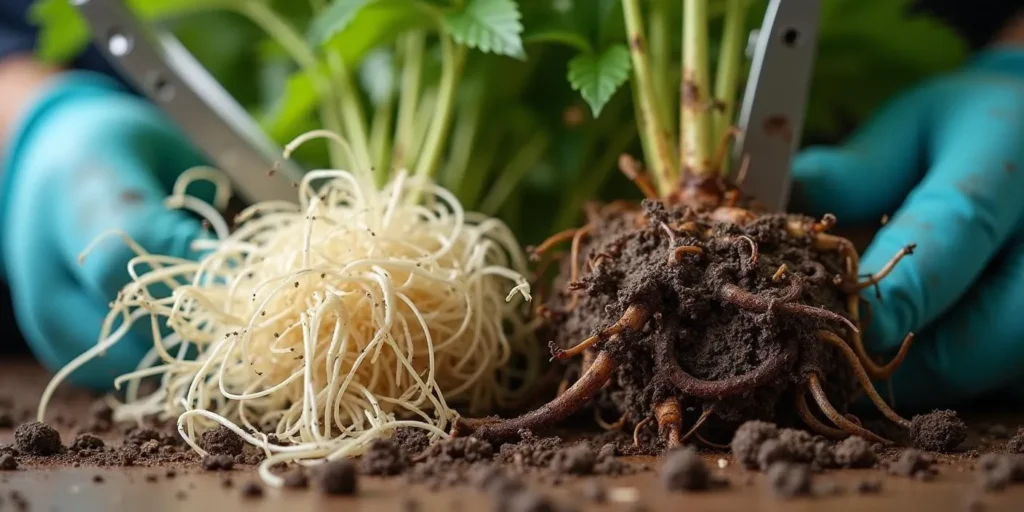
(8, 462)
(410, 504)
(20, 502)
(578, 459)
(685, 470)
(869, 486)
(151, 478)
(338, 478)
(412, 441)
(97, 478)
(938, 431)
(383, 458)
(974, 504)
(996, 471)
(218, 463)
(747, 441)
(221, 441)
(37, 439)
(296, 479)
(855, 452)
(1016, 444)
(913, 463)
(86, 442)
(789, 480)
(594, 491)
(227, 482)
(252, 490)
(826, 489)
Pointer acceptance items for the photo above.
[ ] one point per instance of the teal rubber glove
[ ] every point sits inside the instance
(87, 158)
(947, 162)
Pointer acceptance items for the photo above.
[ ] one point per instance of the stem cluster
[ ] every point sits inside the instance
(705, 115)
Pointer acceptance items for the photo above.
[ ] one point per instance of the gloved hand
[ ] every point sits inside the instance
(947, 162)
(87, 158)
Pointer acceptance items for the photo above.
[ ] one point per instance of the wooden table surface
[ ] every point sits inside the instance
(73, 489)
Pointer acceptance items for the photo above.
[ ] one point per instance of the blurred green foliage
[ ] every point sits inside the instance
(542, 111)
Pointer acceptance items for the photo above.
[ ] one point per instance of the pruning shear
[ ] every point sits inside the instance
(162, 68)
(775, 100)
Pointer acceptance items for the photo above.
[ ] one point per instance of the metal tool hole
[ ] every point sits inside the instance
(791, 37)
(119, 44)
(163, 89)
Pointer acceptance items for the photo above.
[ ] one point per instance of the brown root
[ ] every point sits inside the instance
(872, 368)
(634, 318)
(716, 446)
(667, 365)
(638, 428)
(670, 421)
(812, 422)
(616, 426)
(551, 413)
(881, 274)
(631, 168)
(704, 415)
(780, 273)
(827, 221)
(746, 300)
(862, 377)
(753, 249)
(551, 241)
(676, 256)
(814, 385)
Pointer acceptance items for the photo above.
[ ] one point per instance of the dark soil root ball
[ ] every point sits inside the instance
(728, 312)
(37, 439)
(938, 431)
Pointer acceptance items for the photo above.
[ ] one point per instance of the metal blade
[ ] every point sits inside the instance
(774, 103)
(160, 66)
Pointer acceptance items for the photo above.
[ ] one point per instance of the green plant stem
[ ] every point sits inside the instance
(512, 174)
(289, 39)
(487, 148)
(451, 67)
(661, 56)
(727, 76)
(351, 111)
(412, 45)
(464, 136)
(380, 140)
(695, 127)
(663, 162)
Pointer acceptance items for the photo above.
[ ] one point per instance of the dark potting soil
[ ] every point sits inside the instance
(8, 462)
(996, 471)
(412, 441)
(698, 322)
(759, 445)
(938, 431)
(685, 470)
(869, 486)
(913, 463)
(1016, 444)
(855, 452)
(218, 463)
(789, 480)
(252, 490)
(296, 479)
(221, 441)
(37, 439)
(337, 477)
(383, 458)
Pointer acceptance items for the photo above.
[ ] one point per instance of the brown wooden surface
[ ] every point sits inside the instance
(73, 489)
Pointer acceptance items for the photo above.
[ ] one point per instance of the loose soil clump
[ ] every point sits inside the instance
(996, 471)
(1016, 444)
(685, 470)
(8, 462)
(938, 431)
(383, 458)
(789, 480)
(38, 439)
(855, 452)
(338, 478)
(914, 464)
(221, 441)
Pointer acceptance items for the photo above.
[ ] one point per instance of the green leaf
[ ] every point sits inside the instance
(379, 23)
(598, 76)
(334, 19)
(491, 26)
(63, 34)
